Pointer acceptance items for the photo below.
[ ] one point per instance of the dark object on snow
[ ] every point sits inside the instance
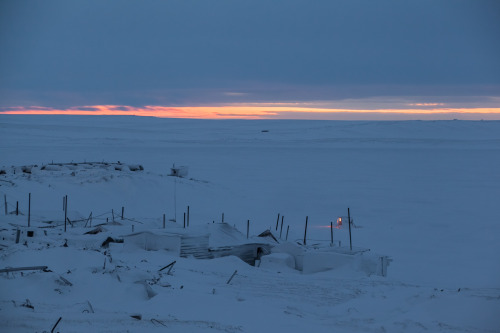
(135, 167)
(66, 282)
(27, 304)
(94, 231)
(30, 233)
(111, 240)
(136, 316)
(30, 268)
(268, 233)
(232, 276)
(57, 322)
(169, 266)
(180, 171)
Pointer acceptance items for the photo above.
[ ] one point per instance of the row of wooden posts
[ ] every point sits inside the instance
(186, 219)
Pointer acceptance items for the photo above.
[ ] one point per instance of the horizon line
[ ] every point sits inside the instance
(265, 111)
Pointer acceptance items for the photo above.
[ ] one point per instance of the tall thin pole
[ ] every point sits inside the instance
(349, 221)
(5, 202)
(184, 219)
(188, 217)
(277, 221)
(305, 230)
(175, 199)
(29, 209)
(281, 230)
(123, 210)
(65, 211)
(287, 229)
(248, 227)
(331, 233)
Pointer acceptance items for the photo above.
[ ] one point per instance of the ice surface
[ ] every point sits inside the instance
(424, 193)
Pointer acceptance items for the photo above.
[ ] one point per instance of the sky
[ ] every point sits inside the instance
(272, 59)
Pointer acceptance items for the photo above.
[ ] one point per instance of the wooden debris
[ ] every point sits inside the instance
(15, 269)
(94, 231)
(53, 328)
(169, 266)
(66, 282)
(232, 276)
(111, 240)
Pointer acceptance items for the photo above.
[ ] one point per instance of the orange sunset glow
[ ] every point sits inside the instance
(263, 111)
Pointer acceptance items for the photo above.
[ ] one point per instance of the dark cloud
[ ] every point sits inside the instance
(186, 51)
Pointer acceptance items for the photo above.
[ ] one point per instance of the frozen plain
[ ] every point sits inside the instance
(424, 193)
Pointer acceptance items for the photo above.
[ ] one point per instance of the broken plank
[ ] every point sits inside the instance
(15, 269)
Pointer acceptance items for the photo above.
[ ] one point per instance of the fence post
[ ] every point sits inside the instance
(287, 229)
(65, 211)
(349, 221)
(123, 210)
(248, 227)
(331, 233)
(305, 230)
(163, 221)
(188, 216)
(29, 209)
(5, 202)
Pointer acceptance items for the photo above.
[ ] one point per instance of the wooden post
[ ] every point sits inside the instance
(305, 230)
(287, 229)
(184, 219)
(123, 210)
(29, 209)
(163, 221)
(277, 221)
(5, 202)
(17, 208)
(232, 276)
(113, 214)
(248, 227)
(65, 211)
(222, 217)
(349, 221)
(331, 233)
(188, 217)
(281, 230)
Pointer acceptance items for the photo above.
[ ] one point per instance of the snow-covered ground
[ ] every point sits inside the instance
(425, 194)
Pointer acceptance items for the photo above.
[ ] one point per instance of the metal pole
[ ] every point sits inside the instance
(331, 233)
(65, 211)
(349, 221)
(305, 230)
(29, 209)
(277, 221)
(188, 217)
